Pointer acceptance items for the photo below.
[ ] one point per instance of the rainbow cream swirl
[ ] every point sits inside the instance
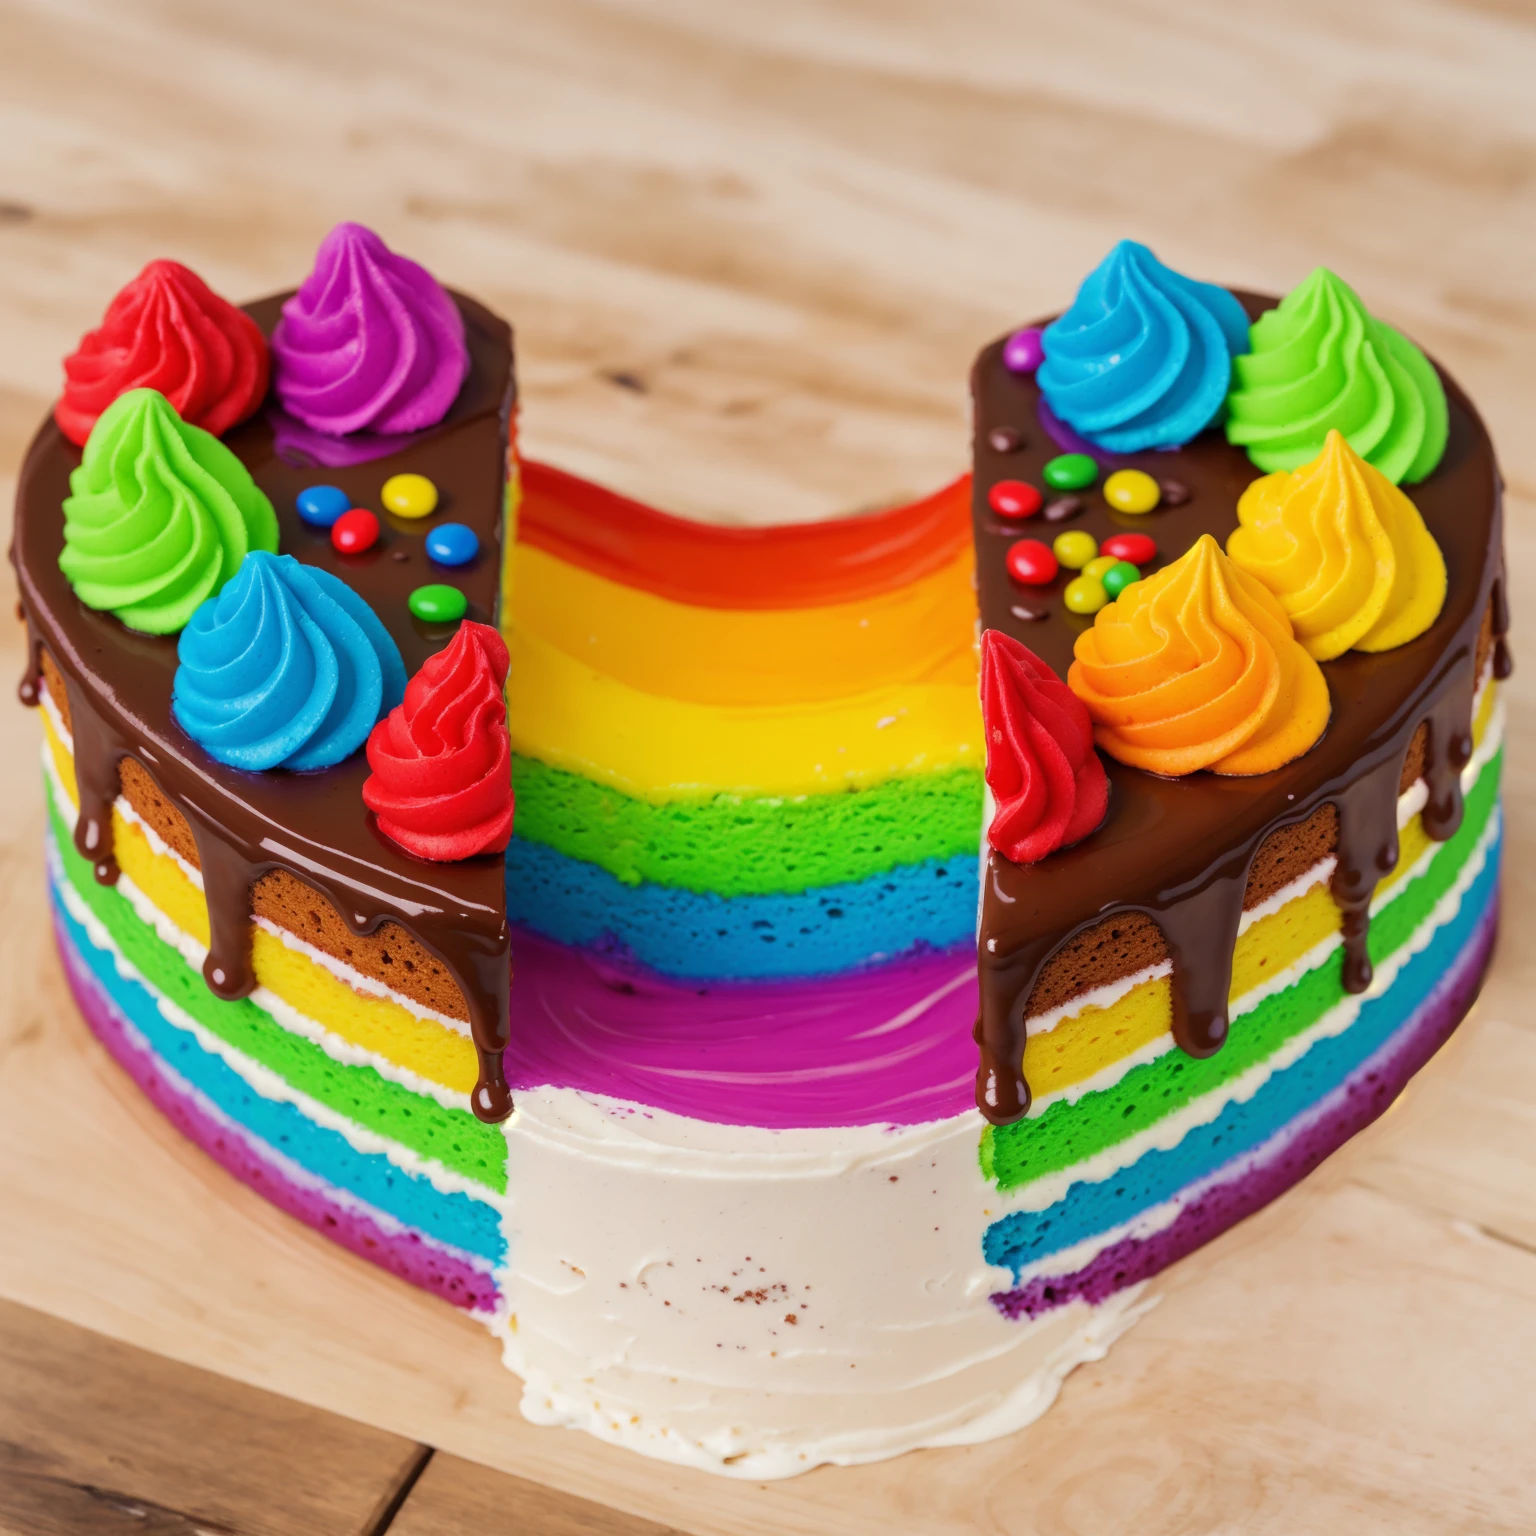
(159, 516)
(371, 341)
(1196, 667)
(287, 668)
(1320, 361)
(1143, 358)
(1345, 552)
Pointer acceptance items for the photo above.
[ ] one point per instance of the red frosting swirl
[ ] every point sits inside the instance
(167, 330)
(441, 784)
(1047, 782)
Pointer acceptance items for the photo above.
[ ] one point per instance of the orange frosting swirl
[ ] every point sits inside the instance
(1344, 550)
(1197, 667)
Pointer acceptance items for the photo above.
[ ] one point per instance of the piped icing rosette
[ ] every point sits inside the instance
(1345, 552)
(1046, 780)
(287, 668)
(159, 516)
(441, 785)
(1319, 362)
(1143, 358)
(371, 341)
(1196, 667)
(167, 330)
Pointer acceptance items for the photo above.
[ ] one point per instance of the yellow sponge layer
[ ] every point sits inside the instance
(376, 1024)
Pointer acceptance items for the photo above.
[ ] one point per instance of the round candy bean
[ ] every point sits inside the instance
(1014, 498)
(452, 544)
(1031, 563)
(1075, 548)
(354, 531)
(437, 604)
(1084, 594)
(1119, 576)
(1024, 351)
(1098, 565)
(1132, 490)
(1135, 547)
(321, 505)
(1070, 471)
(409, 496)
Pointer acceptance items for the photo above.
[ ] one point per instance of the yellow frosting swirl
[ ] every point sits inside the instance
(1344, 550)
(1197, 667)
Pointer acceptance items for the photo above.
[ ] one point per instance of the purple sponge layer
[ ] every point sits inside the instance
(1262, 1176)
(404, 1254)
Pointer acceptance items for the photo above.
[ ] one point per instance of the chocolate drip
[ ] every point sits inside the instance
(1179, 851)
(1503, 662)
(30, 689)
(312, 825)
(97, 750)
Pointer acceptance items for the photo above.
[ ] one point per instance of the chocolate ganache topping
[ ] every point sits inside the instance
(309, 826)
(1177, 859)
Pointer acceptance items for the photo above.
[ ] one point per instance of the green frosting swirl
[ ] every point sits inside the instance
(159, 517)
(1321, 360)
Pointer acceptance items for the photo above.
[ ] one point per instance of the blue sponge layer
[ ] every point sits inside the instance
(931, 905)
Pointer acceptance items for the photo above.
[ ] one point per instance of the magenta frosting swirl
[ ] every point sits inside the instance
(371, 342)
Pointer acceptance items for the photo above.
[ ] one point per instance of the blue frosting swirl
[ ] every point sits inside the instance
(286, 668)
(1143, 359)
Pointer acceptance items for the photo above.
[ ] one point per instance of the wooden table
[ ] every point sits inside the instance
(750, 251)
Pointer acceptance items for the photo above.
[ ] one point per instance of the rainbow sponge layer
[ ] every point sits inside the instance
(742, 753)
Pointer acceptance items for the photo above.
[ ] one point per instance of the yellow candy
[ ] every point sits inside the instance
(1075, 549)
(409, 496)
(1085, 594)
(1132, 490)
(1099, 564)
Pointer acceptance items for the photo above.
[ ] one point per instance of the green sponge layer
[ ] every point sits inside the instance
(740, 847)
(453, 1138)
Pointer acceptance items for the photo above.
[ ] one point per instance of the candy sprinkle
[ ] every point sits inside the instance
(355, 532)
(452, 544)
(1031, 563)
(321, 505)
(1024, 351)
(1119, 576)
(409, 496)
(1084, 594)
(1014, 498)
(1062, 507)
(1132, 490)
(438, 604)
(1099, 564)
(1070, 472)
(1138, 548)
(1074, 548)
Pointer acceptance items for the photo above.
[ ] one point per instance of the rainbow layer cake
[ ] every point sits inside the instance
(798, 1031)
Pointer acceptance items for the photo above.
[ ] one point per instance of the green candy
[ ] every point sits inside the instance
(1321, 360)
(1070, 472)
(438, 603)
(159, 516)
(1118, 577)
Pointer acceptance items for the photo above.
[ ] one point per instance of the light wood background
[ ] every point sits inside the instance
(750, 251)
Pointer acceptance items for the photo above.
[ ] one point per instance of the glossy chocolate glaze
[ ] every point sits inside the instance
(314, 825)
(1180, 850)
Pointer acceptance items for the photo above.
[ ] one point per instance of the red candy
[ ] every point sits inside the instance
(167, 330)
(1047, 782)
(1135, 547)
(1032, 563)
(1014, 498)
(441, 784)
(354, 531)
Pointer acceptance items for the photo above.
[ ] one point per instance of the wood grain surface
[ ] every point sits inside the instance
(750, 252)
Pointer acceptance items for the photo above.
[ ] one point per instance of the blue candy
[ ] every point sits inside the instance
(321, 505)
(452, 544)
